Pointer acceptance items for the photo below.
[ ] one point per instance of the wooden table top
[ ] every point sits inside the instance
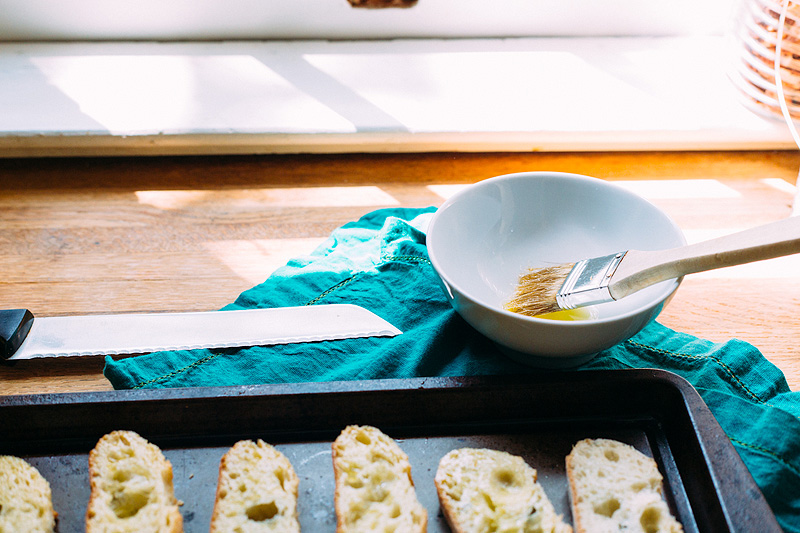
(103, 235)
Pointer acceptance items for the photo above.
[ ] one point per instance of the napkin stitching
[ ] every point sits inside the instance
(209, 357)
(724, 366)
(411, 258)
(730, 371)
(766, 451)
(384, 259)
(336, 287)
(178, 370)
(323, 294)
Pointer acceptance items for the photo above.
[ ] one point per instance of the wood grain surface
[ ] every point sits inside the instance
(101, 235)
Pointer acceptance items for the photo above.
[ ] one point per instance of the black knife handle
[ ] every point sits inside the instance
(14, 327)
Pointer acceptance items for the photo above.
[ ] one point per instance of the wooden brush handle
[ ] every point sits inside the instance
(640, 269)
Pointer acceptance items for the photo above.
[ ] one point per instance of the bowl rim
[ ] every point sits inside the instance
(670, 286)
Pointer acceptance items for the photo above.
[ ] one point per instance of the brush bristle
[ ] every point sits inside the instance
(537, 289)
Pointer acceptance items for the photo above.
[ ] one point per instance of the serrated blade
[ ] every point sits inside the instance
(149, 332)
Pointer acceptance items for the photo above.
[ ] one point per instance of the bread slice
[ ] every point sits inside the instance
(374, 490)
(614, 487)
(256, 491)
(489, 490)
(131, 487)
(25, 499)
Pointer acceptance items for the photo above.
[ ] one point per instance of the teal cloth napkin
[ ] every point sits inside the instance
(380, 262)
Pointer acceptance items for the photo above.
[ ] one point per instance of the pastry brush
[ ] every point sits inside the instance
(611, 277)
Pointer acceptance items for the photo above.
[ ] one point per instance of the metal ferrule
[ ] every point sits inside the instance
(587, 282)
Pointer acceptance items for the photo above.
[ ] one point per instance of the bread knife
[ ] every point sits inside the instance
(23, 336)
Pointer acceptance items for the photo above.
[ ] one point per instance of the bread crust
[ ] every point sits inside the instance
(256, 492)
(131, 487)
(374, 490)
(26, 504)
(613, 486)
(481, 489)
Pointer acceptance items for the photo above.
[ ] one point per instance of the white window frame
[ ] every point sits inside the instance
(37, 20)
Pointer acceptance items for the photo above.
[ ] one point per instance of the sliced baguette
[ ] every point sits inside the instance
(256, 491)
(614, 487)
(131, 487)
(25, 499)
(374, 491)
(489, 490)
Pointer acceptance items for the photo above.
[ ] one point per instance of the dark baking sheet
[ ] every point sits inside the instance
(537, 417)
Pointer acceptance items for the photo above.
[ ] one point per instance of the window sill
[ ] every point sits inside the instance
(548, 94)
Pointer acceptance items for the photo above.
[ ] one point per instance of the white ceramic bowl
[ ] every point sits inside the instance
(487, 234)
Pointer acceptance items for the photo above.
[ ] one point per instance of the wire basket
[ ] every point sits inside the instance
(763, 30)
(767, 64)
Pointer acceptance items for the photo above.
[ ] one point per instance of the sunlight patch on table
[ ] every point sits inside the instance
(679, 189)
(779, 267)
(446, 191)
(261, 198)
(255, 260)
(779, 184)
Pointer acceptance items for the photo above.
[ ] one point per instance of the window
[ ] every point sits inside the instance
(23, 20)
(266, 76)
